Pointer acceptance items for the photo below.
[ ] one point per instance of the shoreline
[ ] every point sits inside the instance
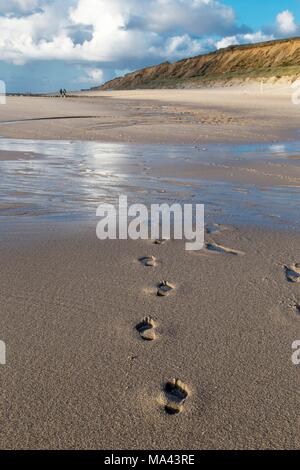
(256, 184)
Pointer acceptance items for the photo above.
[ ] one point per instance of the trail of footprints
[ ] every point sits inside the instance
(175, 391)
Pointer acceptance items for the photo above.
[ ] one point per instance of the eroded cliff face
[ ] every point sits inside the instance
(274, 59)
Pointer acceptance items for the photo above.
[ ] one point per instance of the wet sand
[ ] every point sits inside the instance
(79, 373)
(6, 156)
(253, 183)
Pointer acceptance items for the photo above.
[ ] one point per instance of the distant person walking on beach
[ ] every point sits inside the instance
(63, 93)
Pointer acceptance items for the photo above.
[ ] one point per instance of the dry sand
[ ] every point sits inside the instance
(78, 373)
(157, 116)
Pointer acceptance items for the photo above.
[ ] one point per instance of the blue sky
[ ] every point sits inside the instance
(75, 44)
(258, 13)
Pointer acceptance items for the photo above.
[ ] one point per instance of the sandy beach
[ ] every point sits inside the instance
(239, 114)
(79, 374)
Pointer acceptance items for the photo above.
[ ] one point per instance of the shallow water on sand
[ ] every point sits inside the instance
(64, 180)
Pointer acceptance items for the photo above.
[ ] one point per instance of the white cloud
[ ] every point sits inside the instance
(196, 17)
(249, 38)
(257, 37)
(13, 6)
(227, 41)
(122, 35)
(178, 47)
(119, 29)
(286, 22)
(93, 76)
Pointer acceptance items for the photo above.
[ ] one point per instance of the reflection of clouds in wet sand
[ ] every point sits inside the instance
(73, 177)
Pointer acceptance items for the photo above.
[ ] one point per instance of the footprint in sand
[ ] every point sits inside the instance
(222, 249)
(176, 393)
(164, 288)
(296, 308)
(215, 228)
(146, 329)
(148, 261)
(293, 272)
(160, 241)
